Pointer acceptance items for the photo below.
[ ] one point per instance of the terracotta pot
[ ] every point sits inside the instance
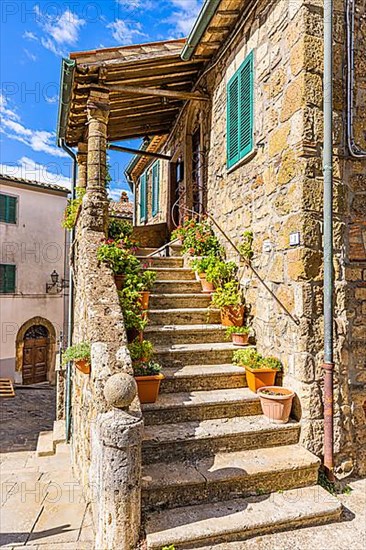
(258, 378)
(119, 280)
(144, 299)
(240, 339)
(148, 387)
(232, 316)
(207, 287)
(83, 366)
(276, 408)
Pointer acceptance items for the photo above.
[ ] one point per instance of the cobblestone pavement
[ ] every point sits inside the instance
(22, 417)
(42, 505)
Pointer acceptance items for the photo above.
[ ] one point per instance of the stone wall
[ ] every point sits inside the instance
(277, 191)
(106, 433)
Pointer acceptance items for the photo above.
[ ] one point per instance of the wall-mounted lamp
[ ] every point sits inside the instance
(55, 285)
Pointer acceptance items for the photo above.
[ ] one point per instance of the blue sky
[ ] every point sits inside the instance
(35, 35)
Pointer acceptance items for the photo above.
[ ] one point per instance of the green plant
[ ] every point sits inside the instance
(149, 368)
(202, 265)
(245, 247)
(77, 352)
(131, 307)
(148, 279)
(117, 257)
(119, 229)
(335, 487)
(198, 238)
(72, 209)
(141, 351)
(236, 330)
(251, 358)
(227, 295)
(221, 272)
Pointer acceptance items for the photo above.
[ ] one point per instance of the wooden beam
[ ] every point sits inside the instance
(228, 13)
(138, 90)
(218, 30)
(211, 44)
(139, 152)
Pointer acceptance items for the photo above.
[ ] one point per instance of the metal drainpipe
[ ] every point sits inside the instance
(328, 364)
(70, 316)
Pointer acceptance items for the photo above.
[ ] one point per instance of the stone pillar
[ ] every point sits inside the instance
(115, 475)
(82, 156)
(98, 113)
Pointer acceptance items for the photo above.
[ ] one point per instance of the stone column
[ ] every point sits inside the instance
(98, 113)
(82, 156)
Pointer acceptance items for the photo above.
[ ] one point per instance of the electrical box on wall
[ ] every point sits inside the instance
(295, 239)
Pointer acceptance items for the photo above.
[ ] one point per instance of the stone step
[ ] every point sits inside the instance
(145, 251)
(185, 334)
(175, 249)
(201, 405)
(239, 519)
(202, 377)
(188, 440)
(45, 444)
(59, 432)
(227, 475)
(173, 274)
(161, 261)
(195, 354)
(188, 316)
(179, 301)
(172, 287)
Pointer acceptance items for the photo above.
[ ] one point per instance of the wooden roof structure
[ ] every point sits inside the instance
(148, 85)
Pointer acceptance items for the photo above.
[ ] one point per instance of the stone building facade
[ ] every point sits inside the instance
(276, 191)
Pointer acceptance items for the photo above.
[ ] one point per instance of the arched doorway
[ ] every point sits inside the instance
(35, 353)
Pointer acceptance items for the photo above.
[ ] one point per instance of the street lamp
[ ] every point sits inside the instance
(54, 285)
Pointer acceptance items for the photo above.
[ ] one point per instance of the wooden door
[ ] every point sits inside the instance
(35, 355)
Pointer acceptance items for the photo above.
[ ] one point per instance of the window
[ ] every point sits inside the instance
(7, 279)
(155, 187)
(240, 99)
(143, 198)
(8, 209)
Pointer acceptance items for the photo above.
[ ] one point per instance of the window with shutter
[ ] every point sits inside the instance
(7, 279)
(155, 187)
(240, 103)
(8, 209)
(143, 198)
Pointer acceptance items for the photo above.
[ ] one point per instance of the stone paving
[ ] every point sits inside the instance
(42, 505)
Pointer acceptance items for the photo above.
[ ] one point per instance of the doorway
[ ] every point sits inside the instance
(35, 355)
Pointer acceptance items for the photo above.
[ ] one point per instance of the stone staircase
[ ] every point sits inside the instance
(214, 468)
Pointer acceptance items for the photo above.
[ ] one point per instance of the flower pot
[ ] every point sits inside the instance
(276, 407)
(83, 366)
(148, 387)
(119, 280)
(240, 339)
(207, 287)
(258, 378)
(232, 316)
(144, 299)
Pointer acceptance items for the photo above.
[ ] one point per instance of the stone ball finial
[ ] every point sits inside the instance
(120, 390)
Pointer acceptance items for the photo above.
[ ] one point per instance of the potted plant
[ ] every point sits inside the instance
(133, 314)
(260, 371)
(141, 351)
(239, 335)
(148, 279)
(201, 266)
(148, 378)
(228, 299)
(276, 403)
(119, 259)
(198, 238)
(79, 354)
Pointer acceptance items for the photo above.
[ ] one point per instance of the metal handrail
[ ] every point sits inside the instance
(248, 264)
(161, 248)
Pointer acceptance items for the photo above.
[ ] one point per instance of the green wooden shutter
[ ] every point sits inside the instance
(240, 98)
(8, 209)
(143, 197)
(155, 188)
(233, 121)
(246, 106)
(7, 279)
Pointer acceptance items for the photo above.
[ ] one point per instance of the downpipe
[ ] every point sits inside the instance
(328, 364)
(70, 314)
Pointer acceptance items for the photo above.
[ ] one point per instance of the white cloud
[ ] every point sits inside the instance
(51, 99)
(59, 30)
(5, 112)
(27, 168)
(30, 55)
(124, 32)
(184, 15)
(37, 140)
